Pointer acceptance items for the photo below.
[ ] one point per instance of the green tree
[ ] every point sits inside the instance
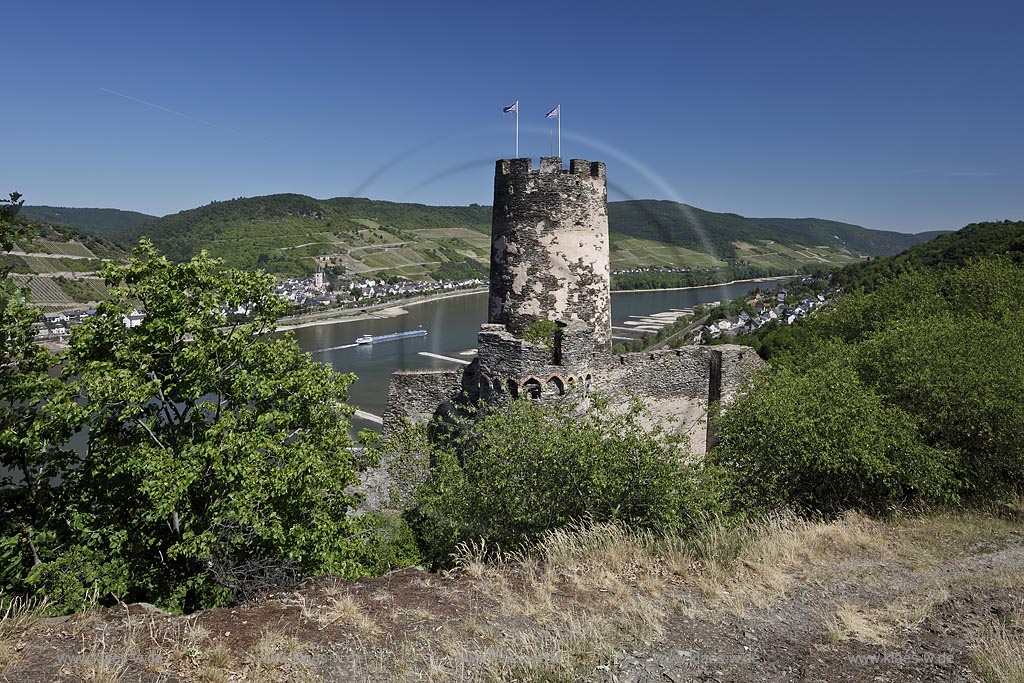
(218, 454)
(912, 391)
(30, 456)
(9, 208)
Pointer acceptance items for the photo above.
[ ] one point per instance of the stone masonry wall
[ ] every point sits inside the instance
(680, 384)
(417, 395)
(549, 246)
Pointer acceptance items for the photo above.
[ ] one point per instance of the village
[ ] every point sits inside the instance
(304, 294)
(777, 305)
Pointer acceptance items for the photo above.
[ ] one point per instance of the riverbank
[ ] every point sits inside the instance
(391, 309)
(387, 309)
(714, 284)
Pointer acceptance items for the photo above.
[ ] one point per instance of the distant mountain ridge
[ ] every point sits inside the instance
(286, 232)
(684, 225)
(94, 221)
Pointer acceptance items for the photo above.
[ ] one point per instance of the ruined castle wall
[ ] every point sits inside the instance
(738, 365)
(677, 386)
(416, 396)
(689, 371)
(549, 246)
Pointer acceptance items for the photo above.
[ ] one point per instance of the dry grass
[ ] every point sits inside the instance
(16, 617)
(553, 614)
(1000, 658)
(279, 657)
(103, 662)
(886, 625)
(755, 563)
(581, 598)
(340, 609)
(936, 537)
(215, 665)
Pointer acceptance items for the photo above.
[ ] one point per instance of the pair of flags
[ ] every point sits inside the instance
(514, 108)
(553, 114)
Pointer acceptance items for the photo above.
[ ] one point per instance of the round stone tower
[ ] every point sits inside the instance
(549, 246)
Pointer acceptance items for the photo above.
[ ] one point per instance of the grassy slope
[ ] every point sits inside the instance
(60, 264)
(285, 232)
(694, 228)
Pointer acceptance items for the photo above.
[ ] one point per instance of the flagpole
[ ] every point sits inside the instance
(517, 129)
(559, 117)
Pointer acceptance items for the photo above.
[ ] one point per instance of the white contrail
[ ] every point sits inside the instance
(184, 116)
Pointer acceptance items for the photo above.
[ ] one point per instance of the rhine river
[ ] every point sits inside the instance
(452, 325)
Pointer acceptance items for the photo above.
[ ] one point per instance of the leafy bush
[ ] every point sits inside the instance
(820, 440)
(541, 331)
(508, 475)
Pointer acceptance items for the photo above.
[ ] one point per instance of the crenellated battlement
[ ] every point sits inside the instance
(523, 168)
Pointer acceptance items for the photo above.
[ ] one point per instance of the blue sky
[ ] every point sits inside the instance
(897, 115)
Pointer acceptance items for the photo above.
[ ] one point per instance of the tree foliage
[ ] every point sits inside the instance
(31, 458)
(818, 440)
(216, 455)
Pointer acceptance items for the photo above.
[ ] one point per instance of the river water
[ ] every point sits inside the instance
(452, 325)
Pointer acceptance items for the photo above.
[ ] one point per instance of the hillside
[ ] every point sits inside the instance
(949, 250)
(286, 233)
(91, 221)
(934, 597)
(58, 264)
(688, 226)
(945, 253)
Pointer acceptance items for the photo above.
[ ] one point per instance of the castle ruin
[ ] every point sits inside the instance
(548, 332)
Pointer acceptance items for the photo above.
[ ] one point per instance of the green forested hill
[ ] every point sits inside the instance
(92, 221)
(950, 250)
(992, 241)
(286, 232)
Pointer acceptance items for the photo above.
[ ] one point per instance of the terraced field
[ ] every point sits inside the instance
(43, 290)
(775, 255)
(633, 252)
(60, 248)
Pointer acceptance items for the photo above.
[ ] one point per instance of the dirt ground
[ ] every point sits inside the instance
(936, 597)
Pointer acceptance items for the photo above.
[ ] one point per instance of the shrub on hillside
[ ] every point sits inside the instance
(508, 475)
(819, 440)
(216, 459)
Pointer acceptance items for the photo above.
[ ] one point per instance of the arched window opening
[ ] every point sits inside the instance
(533, 388)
